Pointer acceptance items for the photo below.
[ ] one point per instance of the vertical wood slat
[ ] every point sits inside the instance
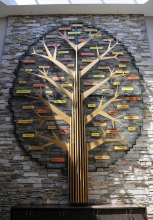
(78, 161)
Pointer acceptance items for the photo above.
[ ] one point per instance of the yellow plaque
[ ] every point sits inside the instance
(131, 117)
(103, 67)
(31, 135)
(122, 106)
(91, 105)
(77, 25)
(120, 147)
(104, 157)
(99, 76)
(52, 127)
(44, 67)
(95, 134)
(67, 85)
(121, 71)
(108, 39)
(116, 83)
(35, 148)
(127, 88)
(28, 70)
(48, 91)
(100, 124)
(132, 128)
(98, 35)
(87, 60)
(22, 82)
(119, 53)
(23, 91)
(74, 32)
(59, 101)
(122, 65)
(28, 107)
(63, 52)
(95, 48)
(29, 121)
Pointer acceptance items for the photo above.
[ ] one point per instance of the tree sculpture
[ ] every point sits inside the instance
(106, 58)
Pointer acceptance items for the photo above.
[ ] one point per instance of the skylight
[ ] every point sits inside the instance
(55, 2)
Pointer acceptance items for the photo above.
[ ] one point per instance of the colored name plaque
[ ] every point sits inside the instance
(56, 160)
(136, 98)
(95, 134)
(38, 85)
(95, 48)
(120, 147)
(59, 101)
(103, 67)
(77, 25)
(56, 78)
(66, 59)
(133, 77)
(112, 131)
(63, 52)
(116, 83)
(23, 82)
(89, 83)
(122, 65)
(53, 45)
(121, 71)
(100, 124)
(119, 53)
(74, 32)
(35, 148)
(107, 90)
(123, 59)
(49, 92)
(70, 65)
(67, 85)
(91, 30)
(27, 107)
(122, 106)
(108, 39)
(23, 91)
(91, 105)
(131, 117)
(28, 70)
(64, 29)
(64, 131)
(52, 127)
(28, 61)
(51, 36)
(30, 135)
(29, 121)
(112, 112)
(132, 128)
(99, 76)
(98, 35)
(43, 111)
(87, 60)
(87, 54)
(44, 67)
(104, 157)
(127, 88)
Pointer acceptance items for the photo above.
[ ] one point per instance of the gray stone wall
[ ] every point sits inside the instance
(22, 180)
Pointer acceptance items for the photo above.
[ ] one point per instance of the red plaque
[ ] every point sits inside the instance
(38, 85)
(28, 61)
(135, 98)
(43, 111)
(63, 131)
(56, 160)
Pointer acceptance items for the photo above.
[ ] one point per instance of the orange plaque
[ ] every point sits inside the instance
(112, 131)
(133, 77)
(43, 111)
(133, 98)
(56, 160)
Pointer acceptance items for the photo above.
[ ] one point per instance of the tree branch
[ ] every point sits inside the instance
(64, 117)
(53, 59)
(94, 88)
(101, 107)
(57, 85)
(50, 141)
(100, 57)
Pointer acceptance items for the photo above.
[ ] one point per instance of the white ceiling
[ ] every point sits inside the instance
(69, 8)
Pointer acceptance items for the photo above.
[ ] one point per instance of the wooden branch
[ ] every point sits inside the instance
(79, 46)
(57, 85)
(106, 115)
(100, 108)
(96, 143)
(53, 59)
(99, 58)
(94, 88)
(61, 144)
(64, 117)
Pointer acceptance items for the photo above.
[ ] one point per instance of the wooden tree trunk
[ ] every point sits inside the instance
(78, 154)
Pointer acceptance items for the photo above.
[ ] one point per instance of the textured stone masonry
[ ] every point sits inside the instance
(22, 180)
